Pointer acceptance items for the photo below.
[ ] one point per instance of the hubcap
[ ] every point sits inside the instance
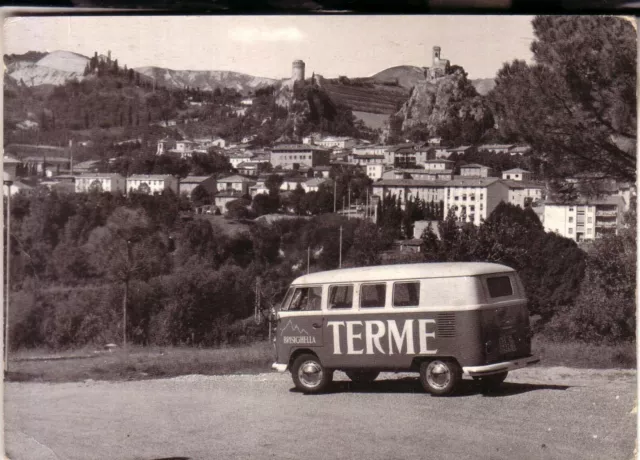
(438, 374)
(310, 374)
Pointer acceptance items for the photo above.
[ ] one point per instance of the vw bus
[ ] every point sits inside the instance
(438, 319)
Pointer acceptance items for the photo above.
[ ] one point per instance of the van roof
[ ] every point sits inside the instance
(402, 271)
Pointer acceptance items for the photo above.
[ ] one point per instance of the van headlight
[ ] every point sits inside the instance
(489, 347)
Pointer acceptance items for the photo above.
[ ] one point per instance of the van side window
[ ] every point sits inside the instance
(341, 296)
(406, 294)
(373, 295)
(499, 286)
(305, 299)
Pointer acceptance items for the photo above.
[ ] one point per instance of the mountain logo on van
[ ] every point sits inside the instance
(293, 328)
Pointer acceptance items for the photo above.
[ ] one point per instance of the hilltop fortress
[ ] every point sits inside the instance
(439, 67)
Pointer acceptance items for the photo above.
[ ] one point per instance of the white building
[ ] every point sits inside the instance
(585, 220)
(333, 142)
(152, 183)
(496, 148)
(100, 182)
(237, 160)
(516, 174)
(410, 189)
(374, 171)
(236, 184)
(439, 165)
(475, 198)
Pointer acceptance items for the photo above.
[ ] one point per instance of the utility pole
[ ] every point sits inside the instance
(335, 183)
(349, 198)
(340, 251)
(308, 258)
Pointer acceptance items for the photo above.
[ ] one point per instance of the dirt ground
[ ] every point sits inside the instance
(540, 413)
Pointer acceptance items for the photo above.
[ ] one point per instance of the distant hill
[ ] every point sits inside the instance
(55, 68)
(405, 75)
(408, 76)
(206, 80)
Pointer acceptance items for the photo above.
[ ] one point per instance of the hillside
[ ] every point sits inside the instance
(206, 80)
(54, 68)
(409, 76)
(405, 75)
(365, 95)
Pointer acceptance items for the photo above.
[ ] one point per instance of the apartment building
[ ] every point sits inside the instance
(152, 183)
(473, 199)
(585, 220)
(100, 182)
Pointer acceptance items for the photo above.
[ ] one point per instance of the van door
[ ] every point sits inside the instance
(301, 320)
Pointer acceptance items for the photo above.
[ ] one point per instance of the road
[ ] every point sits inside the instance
(541, 413)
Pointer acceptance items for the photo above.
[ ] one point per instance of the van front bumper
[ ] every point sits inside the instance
(279, 367)
(496, 368)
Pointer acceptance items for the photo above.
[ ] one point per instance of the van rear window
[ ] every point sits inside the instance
(406, 294)
(499, 286)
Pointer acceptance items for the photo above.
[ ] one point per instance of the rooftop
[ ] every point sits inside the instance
(474, 165)
(403, 271)
(194, 179)
(495, 146)
(410, 183)
(515, 171)
(149, 176)
(296, 148)
(235, 178)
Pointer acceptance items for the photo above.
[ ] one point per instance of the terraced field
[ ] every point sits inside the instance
(372, 98)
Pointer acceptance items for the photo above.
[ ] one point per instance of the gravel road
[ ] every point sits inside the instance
(541, 413)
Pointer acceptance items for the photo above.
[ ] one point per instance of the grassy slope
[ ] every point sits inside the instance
(156, 362)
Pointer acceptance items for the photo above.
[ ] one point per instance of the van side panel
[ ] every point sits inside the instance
(391, 341)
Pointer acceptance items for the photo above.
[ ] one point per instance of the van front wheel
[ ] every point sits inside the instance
(440, 377)
(309, 375)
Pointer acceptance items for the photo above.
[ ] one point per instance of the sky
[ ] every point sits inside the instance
(265, 46)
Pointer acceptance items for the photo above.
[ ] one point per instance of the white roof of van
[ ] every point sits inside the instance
(402, 271)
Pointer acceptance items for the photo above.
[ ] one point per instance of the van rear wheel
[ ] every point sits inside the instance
(309, 375)
(440, 377)
(491, 382)
(362, 376)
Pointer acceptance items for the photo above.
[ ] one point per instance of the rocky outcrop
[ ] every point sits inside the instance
(450, 100)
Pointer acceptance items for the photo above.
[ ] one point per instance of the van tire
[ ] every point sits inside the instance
(440, 377)
(309, 375)
(362, 376)
(491, 382)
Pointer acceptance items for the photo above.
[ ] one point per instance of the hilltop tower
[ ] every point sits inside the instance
(297, 72)
(435, 55)
(439, 67)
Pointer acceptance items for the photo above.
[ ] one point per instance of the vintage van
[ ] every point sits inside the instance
(438, 319)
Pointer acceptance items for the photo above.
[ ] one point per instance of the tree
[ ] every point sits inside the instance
(126, 248)
(576, 105)
(201, 196)
(273, 183)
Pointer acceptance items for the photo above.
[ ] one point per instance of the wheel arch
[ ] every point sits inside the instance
(301, 351)
(418, 360)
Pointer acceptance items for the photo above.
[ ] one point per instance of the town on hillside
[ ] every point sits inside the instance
(192, 197)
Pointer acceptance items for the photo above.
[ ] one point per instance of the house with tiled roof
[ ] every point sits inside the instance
(235, 183)
(287, 156)
(100, 182)
(475, 170)
(516, 174)
(152, 183)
